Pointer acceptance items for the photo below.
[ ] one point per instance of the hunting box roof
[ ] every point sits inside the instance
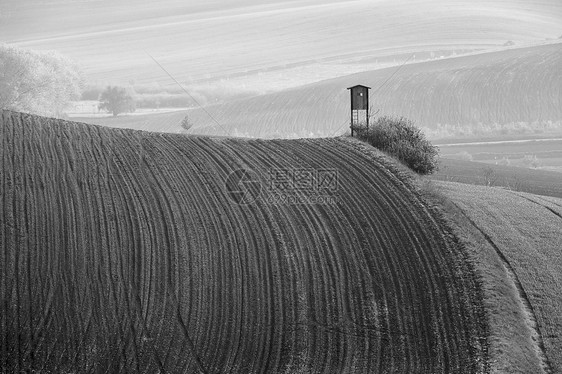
(358, 85)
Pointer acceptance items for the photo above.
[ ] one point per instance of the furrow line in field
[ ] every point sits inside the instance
(13, 261)
(222, 262)
(139, 192)
(221, 160)
(169, 244)
(429, 269)
(4, 322)
(66, 156)
(359, 217)
(325, 251)
(152, 310)
(162, 252)
(324, 244)
(43, 285)
(368, 216)
(227, 162)
(163, 243)
(258, 162)
(112, 251)
(86, 178)
(280, 266)
(100, 344)
(288, 238)
(123, 232)
(29, 269)
(470, 311)
(411, 257)
(58, 316)
(200, 227)
(322, 156)
(215, 176)
(335, 251)
(20, 247)
(108, 275)
(195, 197)
(322, 296)
(217, 308)
(467, 306)
(50, 317)
(410, 277)
(73, 212)
(258, 214)
(128, 168)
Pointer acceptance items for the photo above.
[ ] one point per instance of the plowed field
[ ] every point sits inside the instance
(122, 251)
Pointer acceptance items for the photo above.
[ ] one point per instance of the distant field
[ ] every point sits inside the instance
(525, 232)
(267, 44)
(158, 122)
(544, 154)
(541, 182)
(490, 88)
(129, 251)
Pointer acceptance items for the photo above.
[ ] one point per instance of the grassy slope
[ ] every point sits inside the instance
(109, 37)
(539, 182)
(489, 88)
(121, 251)
(524, 230)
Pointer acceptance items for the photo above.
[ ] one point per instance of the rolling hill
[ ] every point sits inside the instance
(130, 251)
(270, 44)
(515, 85)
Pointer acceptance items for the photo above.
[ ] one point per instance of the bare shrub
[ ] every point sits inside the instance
(400, 138)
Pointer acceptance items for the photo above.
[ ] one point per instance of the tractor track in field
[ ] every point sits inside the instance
(525, 302)
(544, 203)
(122, 251)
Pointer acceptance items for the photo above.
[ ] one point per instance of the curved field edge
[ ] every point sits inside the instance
(122, 251)
(514, 241)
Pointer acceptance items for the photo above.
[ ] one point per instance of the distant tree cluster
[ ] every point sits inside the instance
(116, 100)
(37, 82)
(400, 138)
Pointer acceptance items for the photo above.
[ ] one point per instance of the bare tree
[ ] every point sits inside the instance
(490, 176)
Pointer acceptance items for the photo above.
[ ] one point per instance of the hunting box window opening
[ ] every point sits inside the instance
(359, 107)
